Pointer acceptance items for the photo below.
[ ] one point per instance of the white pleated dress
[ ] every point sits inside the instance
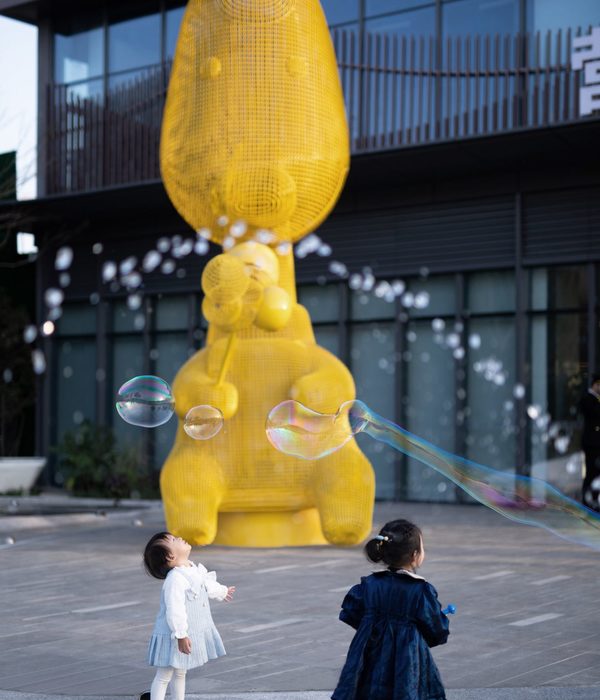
(185, 612)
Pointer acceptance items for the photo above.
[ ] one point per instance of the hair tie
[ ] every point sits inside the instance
(382, 538)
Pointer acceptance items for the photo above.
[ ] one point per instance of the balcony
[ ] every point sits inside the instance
(399, 92)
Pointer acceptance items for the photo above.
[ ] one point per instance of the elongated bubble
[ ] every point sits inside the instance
(296, 430)
(145, 401)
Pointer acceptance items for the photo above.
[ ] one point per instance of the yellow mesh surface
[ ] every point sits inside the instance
(254, 125)
(254, 130)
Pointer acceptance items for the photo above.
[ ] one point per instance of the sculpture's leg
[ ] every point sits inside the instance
(192, 488)
(344, 488)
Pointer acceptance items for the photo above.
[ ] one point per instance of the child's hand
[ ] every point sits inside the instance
(230, 592)
(185, 645)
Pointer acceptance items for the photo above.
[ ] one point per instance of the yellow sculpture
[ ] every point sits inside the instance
(254, 131)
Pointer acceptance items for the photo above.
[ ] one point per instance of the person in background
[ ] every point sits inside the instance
(589, 407)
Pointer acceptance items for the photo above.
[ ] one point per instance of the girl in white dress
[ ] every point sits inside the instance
(184, 634)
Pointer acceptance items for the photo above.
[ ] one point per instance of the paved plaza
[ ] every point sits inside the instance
(77, 609)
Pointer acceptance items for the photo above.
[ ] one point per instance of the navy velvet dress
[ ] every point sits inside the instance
(397, 617)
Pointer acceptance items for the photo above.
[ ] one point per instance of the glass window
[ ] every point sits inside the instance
(543, 15)
(490, 415)
(365, 305)
(75, 384)
(558, 357)
(429, 408)
(77, 319)
(322, 303)
(380, 7)
(328, 337)
(339, 12)
(373, 367)
(78, 57)
(491, 292)
(433, 296)
(415, 23)
(173, 22)
(558, 288)
(134, 43)
(470, 17)
(125, 320)
(171, 314)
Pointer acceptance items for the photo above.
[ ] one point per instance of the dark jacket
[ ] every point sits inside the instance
(397, 618)
(589, 407)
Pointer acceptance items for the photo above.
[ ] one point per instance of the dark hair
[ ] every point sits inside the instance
(402, 540)
(157, 556)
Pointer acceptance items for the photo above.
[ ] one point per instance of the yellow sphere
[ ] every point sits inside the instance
(224, 279)
(260, 260)
(275, 310)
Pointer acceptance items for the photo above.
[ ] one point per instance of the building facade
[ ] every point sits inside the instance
(458, 276)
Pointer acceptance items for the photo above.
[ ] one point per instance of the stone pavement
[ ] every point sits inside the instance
(77, 610)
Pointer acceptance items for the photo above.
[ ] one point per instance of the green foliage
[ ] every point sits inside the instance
(93, 465)
(17, 380)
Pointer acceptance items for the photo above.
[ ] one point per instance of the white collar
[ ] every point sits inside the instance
(409, 573)
(593, 393)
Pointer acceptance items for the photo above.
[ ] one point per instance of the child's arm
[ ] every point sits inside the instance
(174, 592)
(353, 607)
(431, 621)
(215, 589)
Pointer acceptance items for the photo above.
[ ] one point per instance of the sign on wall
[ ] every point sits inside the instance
(586, 57)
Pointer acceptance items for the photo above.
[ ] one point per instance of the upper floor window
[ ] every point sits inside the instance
(480, 17)
(544, 15)
(79, 49)
(340, 12)
(133, 43)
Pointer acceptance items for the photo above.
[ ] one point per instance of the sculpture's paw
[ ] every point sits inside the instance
(223, 396)
(196, 533)
(344, 534)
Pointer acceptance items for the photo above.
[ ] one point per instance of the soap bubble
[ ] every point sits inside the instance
(167, 267)
(151, 261)
(97, 248)
(38, 360)
(438, 325)
(201, 247)
(519, 391)
(203, 422)
(64, 279)
(146, 401)
(53, 297)
(475, 341)
(324, 250)
(30, 334)
(163, 244)
(204, 233)
(134, 301)
(64, 258)
(7, 375)
(338, 268)
(297, 430)
(127, 265)
(109, 270)
(238, 229)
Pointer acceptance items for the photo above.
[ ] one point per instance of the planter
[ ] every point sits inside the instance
(19, 473)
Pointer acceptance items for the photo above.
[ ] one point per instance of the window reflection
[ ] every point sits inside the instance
(470, 17)
(172, 25)
(543, 15)
(380, 7)
(339, 12)
(79, 56)
(134, 43)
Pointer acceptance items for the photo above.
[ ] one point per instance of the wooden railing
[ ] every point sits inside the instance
(399, 91)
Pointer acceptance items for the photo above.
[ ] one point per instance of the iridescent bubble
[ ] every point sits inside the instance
(30, 334)
(453, 340)
(9, 540)
(38, 360)
(408, 300)
(228, 242)
(355, 281)
(139, 322)
(324, 250)
(368, 280)
(438, 325)
(421, 300)
(561, 444)
(151, 261)
(132, 280)
(458, 353)
(534, 411)
(97, 248)
(238, 229)
(283, 248)
(265, 236)
(204, 233)
(222, 221)
(475, 341)
(398, 287)
(146, 401)
(201, 247)
(7, 375)
(183, 249)
(94, 298)
(64, 258)
(48, 328)
(64, 279)
(297, 430)
(53, 297)
(203, 422)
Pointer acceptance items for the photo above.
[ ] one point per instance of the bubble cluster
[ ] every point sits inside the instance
(146, 401)
(297, 430)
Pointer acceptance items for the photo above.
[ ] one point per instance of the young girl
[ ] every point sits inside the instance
(184, 634)
(397, 616)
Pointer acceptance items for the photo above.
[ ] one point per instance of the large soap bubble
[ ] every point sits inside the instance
(296, 430)
(203, 422)
(146, 401)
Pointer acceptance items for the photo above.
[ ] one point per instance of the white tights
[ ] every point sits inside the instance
(158, 690)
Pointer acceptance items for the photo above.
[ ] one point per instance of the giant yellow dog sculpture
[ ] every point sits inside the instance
(254, 130)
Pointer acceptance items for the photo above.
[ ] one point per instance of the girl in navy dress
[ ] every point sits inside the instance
(184, 634)
(397, 617)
